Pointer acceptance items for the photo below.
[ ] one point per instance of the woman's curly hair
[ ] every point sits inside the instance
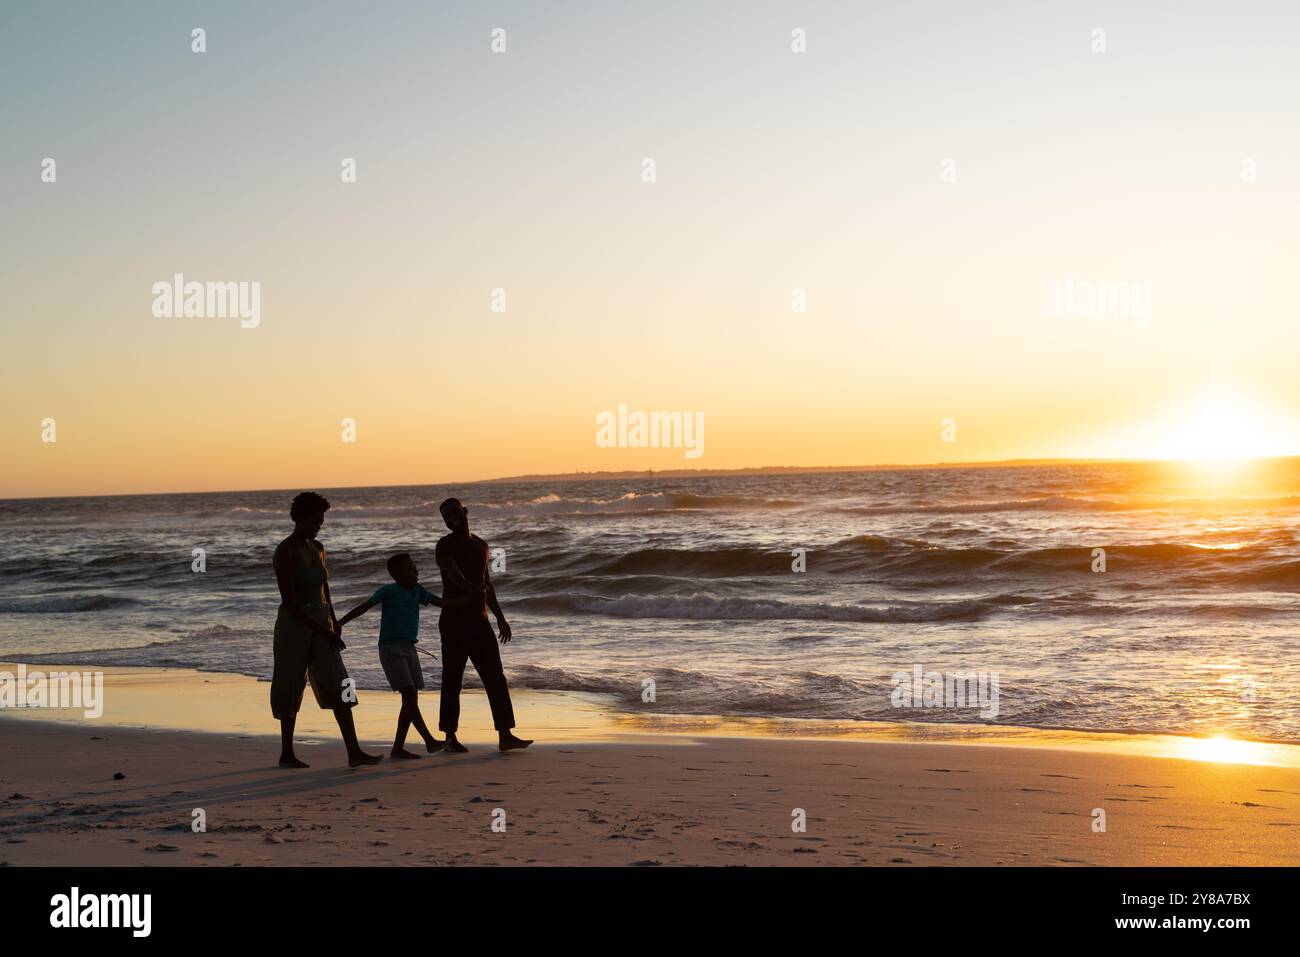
(307, 503)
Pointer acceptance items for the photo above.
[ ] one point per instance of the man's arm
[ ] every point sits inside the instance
(503, 626)
(429, 598)
(474, 594)
(445, 562)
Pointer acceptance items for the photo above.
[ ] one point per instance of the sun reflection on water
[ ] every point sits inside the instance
(1225, 750)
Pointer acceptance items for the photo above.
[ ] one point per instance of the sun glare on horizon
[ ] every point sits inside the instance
(1222, 426)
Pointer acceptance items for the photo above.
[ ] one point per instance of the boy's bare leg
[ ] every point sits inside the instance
(356, 757)
(403, 724)
(287, 758)
(412, 707)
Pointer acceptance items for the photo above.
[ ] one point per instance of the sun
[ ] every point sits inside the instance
(1220, 425)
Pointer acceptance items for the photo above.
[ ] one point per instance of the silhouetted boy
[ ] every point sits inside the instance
(399, 630)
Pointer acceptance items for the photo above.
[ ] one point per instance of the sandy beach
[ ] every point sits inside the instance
(600, 790)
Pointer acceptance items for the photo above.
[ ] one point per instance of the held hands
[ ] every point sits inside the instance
(337, 634)
(476, 596)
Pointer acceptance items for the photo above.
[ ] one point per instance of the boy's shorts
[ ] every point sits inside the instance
(401, 665)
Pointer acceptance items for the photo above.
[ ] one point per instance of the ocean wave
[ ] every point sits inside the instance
(550, 560)
(1046, 503)
(63, 604)
(633, 503)
(880, 559)
(145, 558)
(701, 606)
(710, 561)
(799, 694)
(1073, 503)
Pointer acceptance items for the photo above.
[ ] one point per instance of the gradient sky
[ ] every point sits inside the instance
(522, 171)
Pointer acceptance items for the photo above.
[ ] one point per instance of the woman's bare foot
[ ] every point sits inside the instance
(289, 761)
(361, 758)
(403, 755)
(510, 743)
(434, 745)
(452, 746)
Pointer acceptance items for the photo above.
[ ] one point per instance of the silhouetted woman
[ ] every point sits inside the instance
(307, 642)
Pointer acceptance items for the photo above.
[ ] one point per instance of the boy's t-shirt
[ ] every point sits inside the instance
(400, 618)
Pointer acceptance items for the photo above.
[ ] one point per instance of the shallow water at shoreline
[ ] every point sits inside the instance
(185, 700)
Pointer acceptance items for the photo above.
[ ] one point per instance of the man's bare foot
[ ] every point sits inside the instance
(452, 746)
(404, 755)
(361, 758)
(289, 761)
(510, 743)
(434, 745)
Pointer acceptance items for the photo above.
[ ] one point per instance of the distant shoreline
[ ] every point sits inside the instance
(743, 472)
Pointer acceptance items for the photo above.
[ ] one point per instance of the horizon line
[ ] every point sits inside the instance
(673, 473)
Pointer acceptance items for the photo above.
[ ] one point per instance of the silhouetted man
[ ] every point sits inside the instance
(466, 635)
